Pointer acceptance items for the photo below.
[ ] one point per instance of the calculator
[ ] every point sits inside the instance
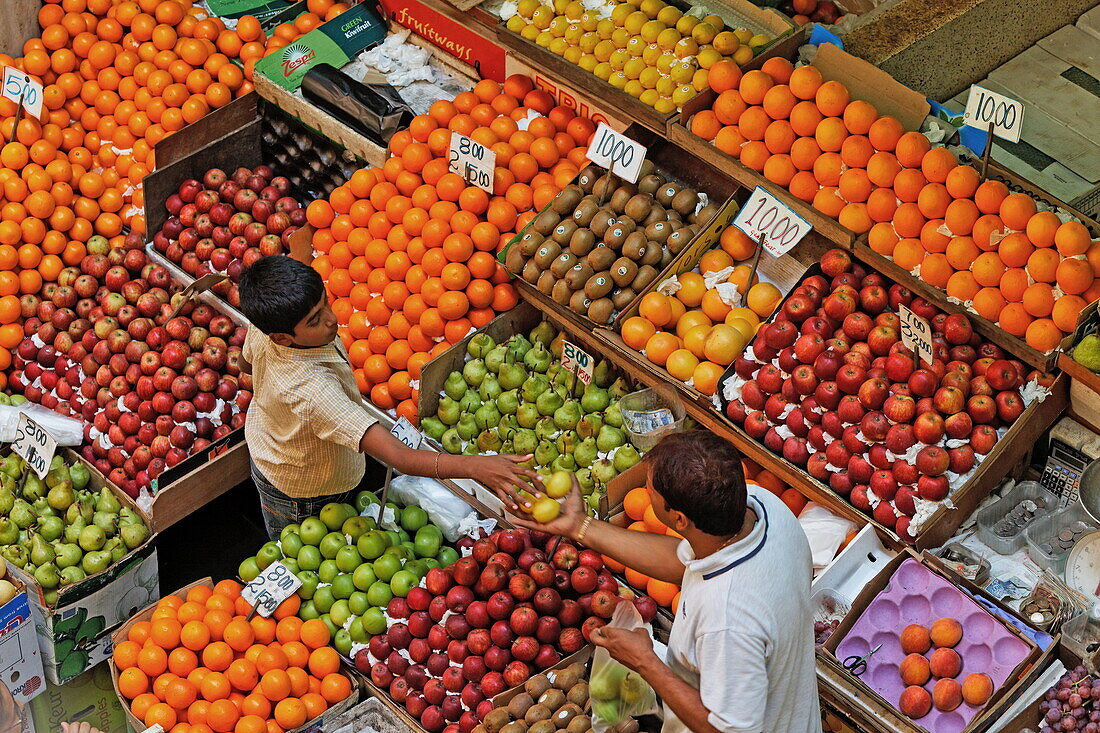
(1072, 448)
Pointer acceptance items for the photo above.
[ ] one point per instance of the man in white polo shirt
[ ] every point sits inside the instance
(741, 653)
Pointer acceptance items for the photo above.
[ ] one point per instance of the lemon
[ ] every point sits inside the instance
(515, 24)
(651, 30)
(652, 7)
(618, 59)
(635, 46)
(704, 33)
(669, 15)
(682, 73)
(708, 57)
(574, 11)
(560, 6)
(573, 34)
(620, 13)
(558, 46)
(573, 54)
(587, 61)
(726, 43)
(589, 21)
(634, 88)
(665, 86)
(618, 80)
(759, 41)
(649, 77)
(619, 37)
(588, 42)
(542, 18)
(527, 7)
(668, 38)
(651, 53)
(634, 22)
(665, 62)
(664, 106)
(603, 70)
(558, 26)
(744, 35)
(683, 93)
(634, 68)
(603, 50)
(686, 24)
(649, 96)
(544, 38)
(742, 55)
(686, 47)
(699, 80)
(530, 32)
(635, 3)
(715, 21)
(605, 28)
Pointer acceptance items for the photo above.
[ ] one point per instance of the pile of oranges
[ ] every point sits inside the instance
(408, 250)
(1024, 269)
(251, 44)
(695, 333)
(199, 666)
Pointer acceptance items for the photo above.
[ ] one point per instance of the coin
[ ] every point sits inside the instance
(1065, 535)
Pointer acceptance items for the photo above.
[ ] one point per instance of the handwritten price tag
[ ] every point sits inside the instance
(984, 107)
(617, 153)
(577, 361)
(765, 215)
(916, 333)
(407, 433)
(34, 444)
(472, 160)
(18, 87)
(270, 588)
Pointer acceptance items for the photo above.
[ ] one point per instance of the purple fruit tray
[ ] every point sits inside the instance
(916, 595)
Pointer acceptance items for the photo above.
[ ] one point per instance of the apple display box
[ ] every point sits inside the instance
(89, 698)
(20, 661)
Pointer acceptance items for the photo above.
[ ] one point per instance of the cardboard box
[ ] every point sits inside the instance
(467, 33)
(316, 725)
(20, 661)
(88, 698)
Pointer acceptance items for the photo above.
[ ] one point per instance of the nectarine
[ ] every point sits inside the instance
(977, 688)
(915, 702)
(914, 670)
(945, 663)
(947, 695)
(946, 632)
(915, 639)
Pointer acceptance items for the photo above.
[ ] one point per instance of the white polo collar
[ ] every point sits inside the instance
(729, 557)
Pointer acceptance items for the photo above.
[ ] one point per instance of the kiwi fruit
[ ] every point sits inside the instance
(598, 285)
(622, 297)
(658, 232)
(649, 184)
(666, 193)
(666, 258)
(545, 222)
(546, 254)
(496, 719)
(516, 726)
(530, 242)
(579, 724)
(537, 712)
(579, 302)
(514, 260)
(604, 186)
(705, 214)
(587, 178)
(564, 231)
(567, 199)
(518, 705)
(601, 222)
(615, 236)
(531, 272)
(546, 282)
(566, 713)
(578, 275)
(635, 246)
(652, 255)
(647, 167)
(601, 310)
(623, 271)
(644, 276)
(552, 698)
(585, 210)
(679, 239)
(582, 242)
(578, 694)
(561, 292)
(685, 201)
(639, 207)
(601, 257)
(542, 726)
(535, 686)
(620, 198)
(562, 263)
(656, 214)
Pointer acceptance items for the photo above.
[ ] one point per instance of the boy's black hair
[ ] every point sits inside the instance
(700, 474)
(278, 291)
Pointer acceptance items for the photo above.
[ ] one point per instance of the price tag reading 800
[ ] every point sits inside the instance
(765, 215)
(471, 160)
(577, 361)
(916, 333)
(270, 588)
(34, 444)
(18, 87)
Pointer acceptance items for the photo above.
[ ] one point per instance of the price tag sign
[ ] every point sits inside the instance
(154, 729)
(18, 87)
(765, 215)
(472, 160)
(617, 153)
(577, 361)
(916, 333)
(34, 444)
(407, 433)
(270, 588)
(984, 107)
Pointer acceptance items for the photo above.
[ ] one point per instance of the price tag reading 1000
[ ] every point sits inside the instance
(577, 361)
(763, 215)
(270, 588)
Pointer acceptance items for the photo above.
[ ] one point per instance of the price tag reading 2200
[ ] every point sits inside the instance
(270, 588)
(471, 160)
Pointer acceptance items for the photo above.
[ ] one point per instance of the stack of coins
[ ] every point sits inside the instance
(1019, 517)
(1065, 538)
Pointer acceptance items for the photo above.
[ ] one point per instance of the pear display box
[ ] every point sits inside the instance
(74, 632)
(20, 661)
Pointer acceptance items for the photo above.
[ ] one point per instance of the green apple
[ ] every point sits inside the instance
(447, 555)
(386, 566)
(248, 569)
(364, 499)
(372, 544)
(327, 571)
(348, 558)
(268, 554)
(339, 613)
(379, 594)
(309, 558)
(331, 544)
(358, 603)
(290, 529)
(413, 518)
(402, 582)
(308, 611)
(291, 564)
(333, 515)
(313, 530)
(428, 540)
(309, 584)
(342, 587)
(332, 629)
(363, 576)
(358, 634)
(323, 599)
(342, 641)
(374, 620)
(291, 544)
(355, 527)
(418, 567)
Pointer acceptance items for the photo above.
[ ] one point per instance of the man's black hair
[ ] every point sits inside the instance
(277, 292)
(700, 474)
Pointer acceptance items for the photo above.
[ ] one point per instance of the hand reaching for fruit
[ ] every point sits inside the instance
(632, 648)
(568, 521)
(507, 478)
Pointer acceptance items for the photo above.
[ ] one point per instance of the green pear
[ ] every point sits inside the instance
(506, 448)
(586, 453)
(508, 402)
(133, 535)
(470, 401)
(527, 415)
(487, 416)
(594, 399)
(455, 386)
(467, 427)
(470, 449)
(585, 480)
(96, 561)
(552, 372)
(556, 345)
(22, 514)
(518, 346)
(545, 428)
(625, 457)
(107, 502)
(619, 388)
(568, 415)
(92, 538)
(80, 475)
(610, 438)
(545, 453)
(488, 441)
(533, 386)
(592, 501)
(42, 508)
(508, 423)
(87, 506)
(16, 555)
(537, 358)
(490, 389)
(74, 528)
(7, 500)
(548, 402)
(116, 548)
(494, 358)
(512, 376)
(67, 554)
(612, 416)
(33, 487)
(448, 411)
(564, 462)
(589, 426)
(474, 372)
(451, 441)
(542, 334)
(479, 345)
(129, 516)
(602, 376)
(72, 574)
(604, 470)
(12, 465)
(107, 522)
(51, 528)
(9, 531)
(525, 441)
(46, 576)
(42, 552)
(567, 441)
(433, 427)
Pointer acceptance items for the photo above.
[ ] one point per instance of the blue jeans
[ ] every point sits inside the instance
(279, 510)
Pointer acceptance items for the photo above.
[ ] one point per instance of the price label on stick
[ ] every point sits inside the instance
(617, 153)
(916, 333)
(20, 88)
(984, 107)
(763, 215)
(407, 433)
(270, 588)
(471, 160)
(34, 444)
(577, 361)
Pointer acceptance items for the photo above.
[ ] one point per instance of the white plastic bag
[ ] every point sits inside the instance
(618, 693)
(825, 532)
(446, 510)
(65, 430)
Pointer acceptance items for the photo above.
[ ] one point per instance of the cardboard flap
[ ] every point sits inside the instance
(872, 84)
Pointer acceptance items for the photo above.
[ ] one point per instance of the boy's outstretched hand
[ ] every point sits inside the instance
(506, 477)
(566, 524)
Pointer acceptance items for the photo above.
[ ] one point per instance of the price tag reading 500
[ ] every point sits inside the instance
(407, 433)
(34, 444)
(18, 87)
(472, 160)
(270, 588)
(577, 361)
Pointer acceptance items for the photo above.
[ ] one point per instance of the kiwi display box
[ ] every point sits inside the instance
(602, 240)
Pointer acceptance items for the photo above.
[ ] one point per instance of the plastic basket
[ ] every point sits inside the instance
(649, 414)
(1042, 531)
(992, 514)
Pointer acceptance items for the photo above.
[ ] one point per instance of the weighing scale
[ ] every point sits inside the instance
(1083, 569)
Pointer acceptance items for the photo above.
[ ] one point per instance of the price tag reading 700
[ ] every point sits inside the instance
(577, 361)
(20, 88)
(270, 588)
(471, 160)
(916, 333)
(34, 444)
